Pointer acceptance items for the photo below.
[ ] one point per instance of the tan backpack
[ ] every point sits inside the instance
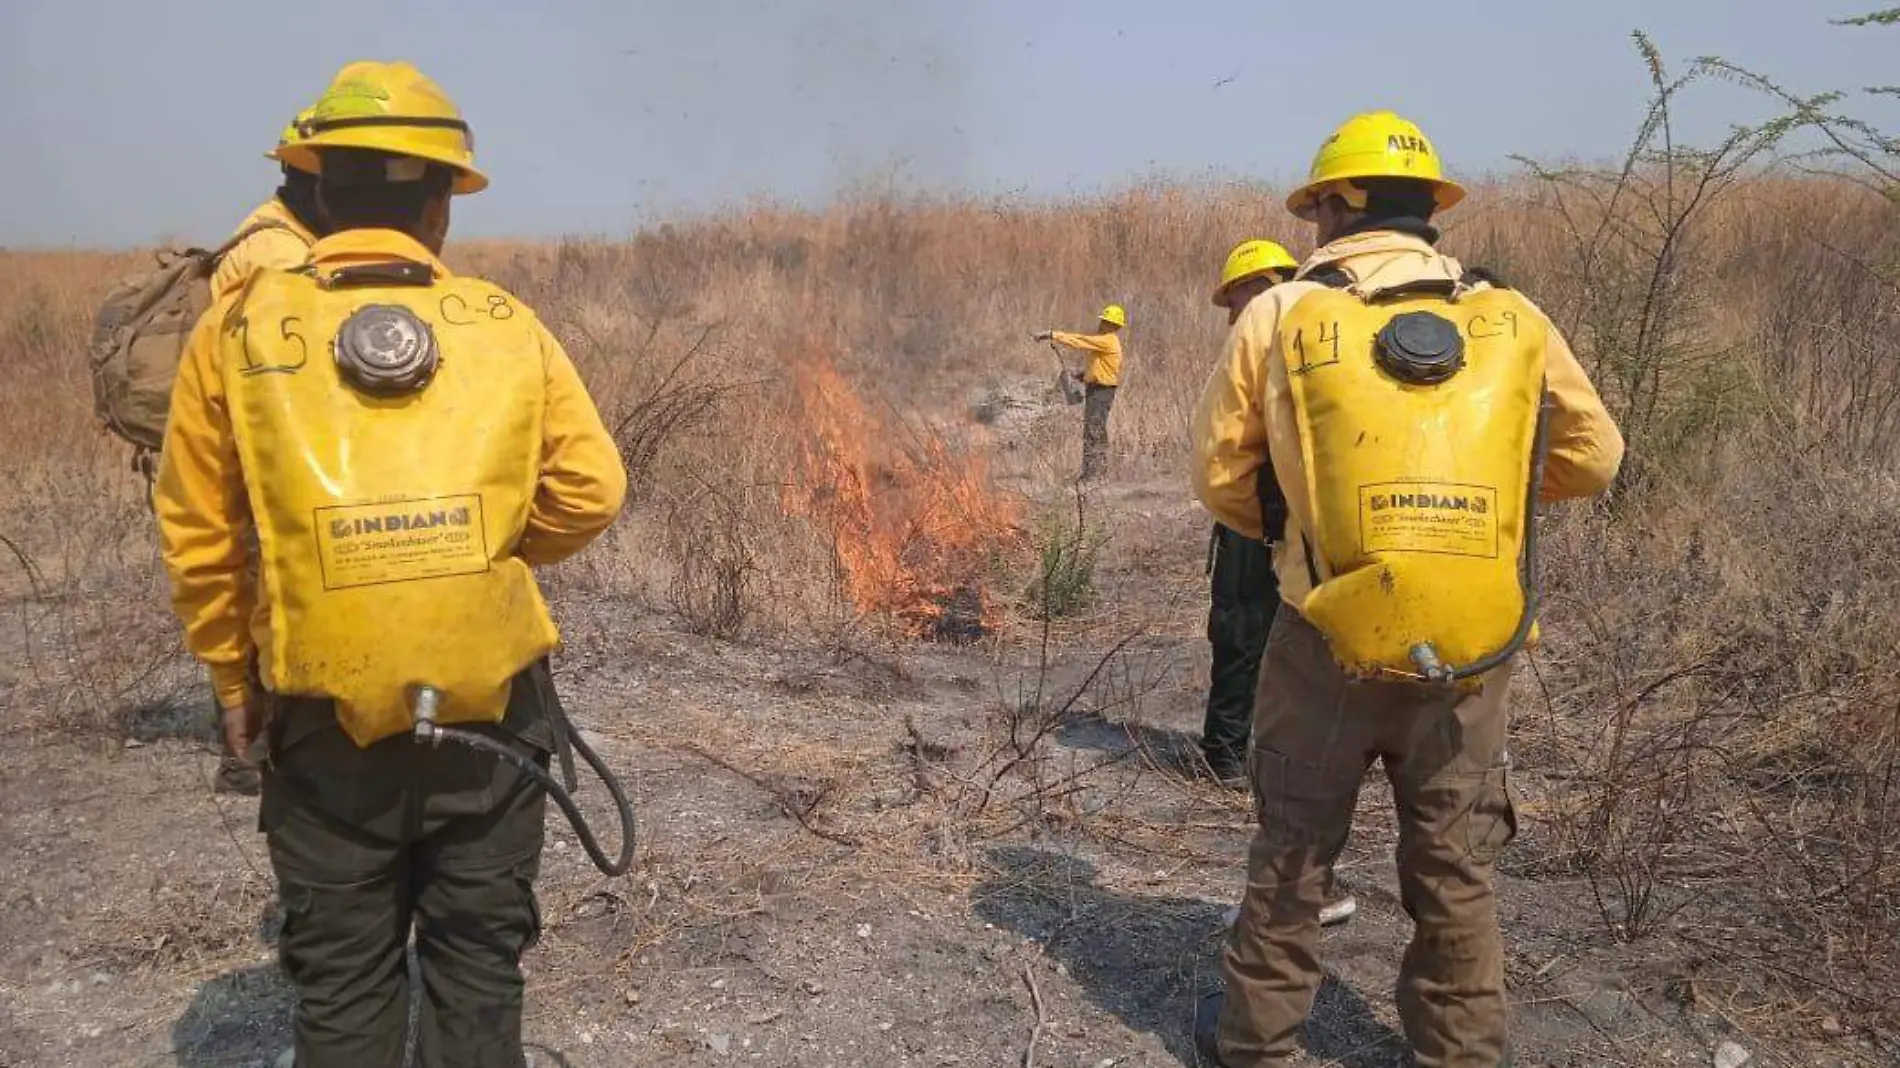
(138, 339)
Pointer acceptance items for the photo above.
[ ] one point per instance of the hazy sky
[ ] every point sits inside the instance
(126, 120)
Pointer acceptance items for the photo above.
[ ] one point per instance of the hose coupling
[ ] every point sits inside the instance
(428, 707)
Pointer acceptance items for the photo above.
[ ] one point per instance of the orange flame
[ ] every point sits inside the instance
(914, 529)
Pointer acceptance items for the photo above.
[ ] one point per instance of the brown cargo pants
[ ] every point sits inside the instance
(1315, 733)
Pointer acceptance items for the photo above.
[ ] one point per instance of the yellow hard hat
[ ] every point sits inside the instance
(291, 134)
(1376, 144)
(1250, 259)
(389, 107)
(1114, 314)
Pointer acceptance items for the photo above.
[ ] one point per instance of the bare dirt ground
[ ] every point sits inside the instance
(844, 861)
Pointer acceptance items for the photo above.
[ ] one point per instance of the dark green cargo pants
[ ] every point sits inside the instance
(1097, 402)
(1245, 594)
(372, 845)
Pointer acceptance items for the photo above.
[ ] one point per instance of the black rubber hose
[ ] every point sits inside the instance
(561, 797)
(1527, 575)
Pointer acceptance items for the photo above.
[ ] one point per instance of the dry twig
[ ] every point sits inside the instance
(1042, 1019)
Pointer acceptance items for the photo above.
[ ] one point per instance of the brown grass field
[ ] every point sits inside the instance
(845, 450)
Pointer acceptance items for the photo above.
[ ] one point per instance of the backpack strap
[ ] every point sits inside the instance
(1446, 288)
(1475, 275)
(1449, 288)
(1333, 276)
(1274, 513)
(239, 238)
(387, 273)
(1273, 504)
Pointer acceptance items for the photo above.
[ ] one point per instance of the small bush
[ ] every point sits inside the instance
(1067, 547)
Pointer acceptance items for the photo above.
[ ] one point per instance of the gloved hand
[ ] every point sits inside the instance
(1042, 335)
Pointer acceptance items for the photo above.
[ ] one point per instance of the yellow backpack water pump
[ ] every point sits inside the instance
(390, 425)
(1420, 417)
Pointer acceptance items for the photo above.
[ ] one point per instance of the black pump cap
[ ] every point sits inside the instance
(1420, 348)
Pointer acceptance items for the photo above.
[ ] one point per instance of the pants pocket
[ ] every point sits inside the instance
(341, 945)
(524, 878)
(1491, 821)
(1298, 806)
(1266, 769)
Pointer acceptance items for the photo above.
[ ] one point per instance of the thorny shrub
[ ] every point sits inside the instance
(1717, 710)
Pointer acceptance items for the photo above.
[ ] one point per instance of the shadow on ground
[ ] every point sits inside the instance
(189, 715)
(238, 1020)
(1149, 960)
(1169, 751)
(241, 1018)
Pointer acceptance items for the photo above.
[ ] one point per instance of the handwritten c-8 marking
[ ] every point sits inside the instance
(455, 310)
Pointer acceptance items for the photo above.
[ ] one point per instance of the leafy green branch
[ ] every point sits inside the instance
(1848, 138)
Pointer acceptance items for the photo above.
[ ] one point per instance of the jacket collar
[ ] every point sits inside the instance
(349, 248)
(275, 210)
(1379, 258)
(1370, 243)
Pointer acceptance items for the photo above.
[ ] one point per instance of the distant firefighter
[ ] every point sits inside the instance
(1100, 379)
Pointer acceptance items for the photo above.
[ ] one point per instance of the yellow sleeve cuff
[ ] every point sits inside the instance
(233, 685)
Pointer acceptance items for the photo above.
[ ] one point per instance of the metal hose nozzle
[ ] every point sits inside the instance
(428, 703)
(1425, 658)
(428, 707)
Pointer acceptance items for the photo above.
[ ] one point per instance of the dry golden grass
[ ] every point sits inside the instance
(1715, 707)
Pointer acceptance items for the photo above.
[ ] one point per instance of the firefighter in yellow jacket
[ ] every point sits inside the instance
(1243, 592)
(393, 447)
(1413, 413)
(1100, 379)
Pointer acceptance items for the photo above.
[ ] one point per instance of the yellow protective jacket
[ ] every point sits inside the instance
(280, 247)
(1246, 412)
(565, 489)
(1105, 355)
